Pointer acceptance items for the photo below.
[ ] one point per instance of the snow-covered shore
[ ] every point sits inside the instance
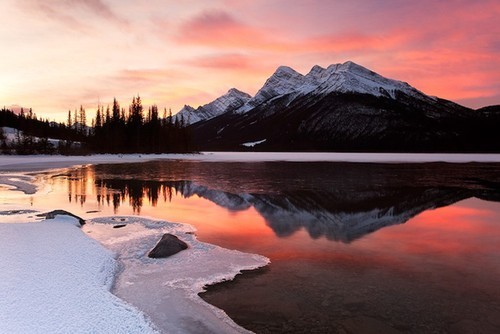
(54, 279)
(13, 163)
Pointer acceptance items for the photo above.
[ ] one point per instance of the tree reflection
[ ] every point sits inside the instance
(339, 201)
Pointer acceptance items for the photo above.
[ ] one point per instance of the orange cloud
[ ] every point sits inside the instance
(221, 30)
(223, 61)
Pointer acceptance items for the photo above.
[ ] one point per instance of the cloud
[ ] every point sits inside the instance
(231, 61)
(146, 75)
(74, 14)
(219, 29)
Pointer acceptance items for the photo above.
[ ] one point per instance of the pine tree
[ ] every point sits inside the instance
(75, 121)
(108, 116)
(98, 118)
(83, 121)
(116, 111)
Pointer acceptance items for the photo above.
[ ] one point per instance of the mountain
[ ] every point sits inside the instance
(346, 107)
(230, 101)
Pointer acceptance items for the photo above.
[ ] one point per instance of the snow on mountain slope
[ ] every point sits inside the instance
(348, 77)
(285, 80)
(187, 113)
(232, 100)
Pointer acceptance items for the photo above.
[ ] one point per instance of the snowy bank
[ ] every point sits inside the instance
(54, 279)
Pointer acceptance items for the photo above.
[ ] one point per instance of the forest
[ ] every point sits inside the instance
(114, 129)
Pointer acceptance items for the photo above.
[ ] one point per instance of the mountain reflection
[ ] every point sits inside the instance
(339, 201)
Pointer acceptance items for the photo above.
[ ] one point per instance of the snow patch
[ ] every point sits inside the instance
(253, 143)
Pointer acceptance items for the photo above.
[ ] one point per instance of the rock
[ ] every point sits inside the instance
(167, 246)
(53, 214)
(119, 225)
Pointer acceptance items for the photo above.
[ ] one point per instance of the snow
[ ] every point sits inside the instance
(12, 163)
(253, 143)
(11, 137)
(232, 100)
(54, 279)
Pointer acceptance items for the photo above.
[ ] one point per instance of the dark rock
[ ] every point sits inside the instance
(119, 226)
(53, 214)
(167, 246)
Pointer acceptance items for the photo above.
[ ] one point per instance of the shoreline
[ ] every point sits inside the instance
(38, 163)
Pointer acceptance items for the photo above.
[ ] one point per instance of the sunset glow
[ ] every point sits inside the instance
(58, 55)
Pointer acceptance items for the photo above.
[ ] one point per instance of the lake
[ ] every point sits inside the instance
(354, 247)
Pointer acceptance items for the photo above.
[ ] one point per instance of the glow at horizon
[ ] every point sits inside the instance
(60, 54)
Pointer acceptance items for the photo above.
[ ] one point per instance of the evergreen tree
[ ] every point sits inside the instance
(98, 118)
(69, 119)
(108, 116)
(116, 111)
(83, 121)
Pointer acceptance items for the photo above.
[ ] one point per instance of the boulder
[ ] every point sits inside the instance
(167, 246)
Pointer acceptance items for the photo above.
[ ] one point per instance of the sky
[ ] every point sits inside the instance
(59, 54)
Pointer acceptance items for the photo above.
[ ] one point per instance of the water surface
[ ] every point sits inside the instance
(355, 247)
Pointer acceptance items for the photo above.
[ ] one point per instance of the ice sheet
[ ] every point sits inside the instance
(167, 289)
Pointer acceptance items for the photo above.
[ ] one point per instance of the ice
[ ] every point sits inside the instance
(167, 289)
(18, 182)
(54, 279)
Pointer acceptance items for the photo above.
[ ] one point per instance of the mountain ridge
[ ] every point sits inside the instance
(231, 100)
(345, 107)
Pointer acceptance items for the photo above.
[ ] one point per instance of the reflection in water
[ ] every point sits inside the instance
(350, 201)
(433, 268)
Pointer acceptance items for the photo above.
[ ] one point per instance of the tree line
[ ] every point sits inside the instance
(113, 130)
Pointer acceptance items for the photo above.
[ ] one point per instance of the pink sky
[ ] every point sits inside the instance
(58, 54)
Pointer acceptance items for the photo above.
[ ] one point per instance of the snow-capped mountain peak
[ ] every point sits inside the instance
(347, 77)
(232, 100)
(284, 80)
